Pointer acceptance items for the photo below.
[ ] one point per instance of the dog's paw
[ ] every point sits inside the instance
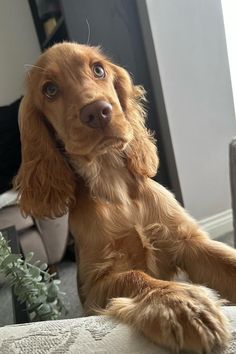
(185, 317)
(190, 318)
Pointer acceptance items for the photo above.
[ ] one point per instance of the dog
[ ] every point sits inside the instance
(86, 151)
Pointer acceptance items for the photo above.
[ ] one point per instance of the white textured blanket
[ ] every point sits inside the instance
(98, 335)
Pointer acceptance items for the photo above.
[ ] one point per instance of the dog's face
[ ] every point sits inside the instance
(77, 90)
(77, 97)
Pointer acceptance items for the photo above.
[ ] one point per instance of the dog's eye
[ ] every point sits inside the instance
(98, 71)
(50, 90)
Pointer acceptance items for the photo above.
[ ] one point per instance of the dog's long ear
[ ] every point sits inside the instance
(44, 181)
(141, 152)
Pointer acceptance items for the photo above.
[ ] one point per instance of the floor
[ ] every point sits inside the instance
(67, 273)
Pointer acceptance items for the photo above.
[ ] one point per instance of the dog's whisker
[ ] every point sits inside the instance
(30, 66)
(89, 31)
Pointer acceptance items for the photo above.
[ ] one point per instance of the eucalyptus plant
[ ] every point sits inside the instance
(32, 284)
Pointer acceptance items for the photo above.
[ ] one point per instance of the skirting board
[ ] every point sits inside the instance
(218, 224)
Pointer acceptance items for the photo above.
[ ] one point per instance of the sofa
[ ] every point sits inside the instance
(46, 238)
(95, 334)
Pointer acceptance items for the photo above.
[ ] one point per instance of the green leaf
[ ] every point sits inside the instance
(34, 272)
(9, 259)
(36, 264)
(29, 256)
(41, 299)
(43, 266)
(52, 290)
(46, 277)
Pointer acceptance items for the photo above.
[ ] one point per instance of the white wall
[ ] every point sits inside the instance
(229, 11)
(18, 46)
(190, 47)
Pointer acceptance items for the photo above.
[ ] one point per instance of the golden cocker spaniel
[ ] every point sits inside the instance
(86, 150)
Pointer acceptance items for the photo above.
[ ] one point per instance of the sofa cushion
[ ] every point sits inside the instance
(54, 234)
(8, 198)
(11, 216)
(30, 241)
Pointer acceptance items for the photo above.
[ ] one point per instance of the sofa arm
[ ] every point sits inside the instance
(95, 334)
(48, 240)
(54, 234)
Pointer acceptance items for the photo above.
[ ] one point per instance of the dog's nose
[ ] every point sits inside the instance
(96, 114)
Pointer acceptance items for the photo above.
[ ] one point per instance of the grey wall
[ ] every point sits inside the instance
(115, 25)
(190, 49)
(19, 46)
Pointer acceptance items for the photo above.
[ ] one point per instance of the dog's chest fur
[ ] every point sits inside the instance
(117, 235)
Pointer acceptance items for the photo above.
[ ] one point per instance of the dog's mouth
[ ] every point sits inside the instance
(110, 142)
(99, 148)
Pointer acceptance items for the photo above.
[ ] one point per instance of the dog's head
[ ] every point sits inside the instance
(81, 105)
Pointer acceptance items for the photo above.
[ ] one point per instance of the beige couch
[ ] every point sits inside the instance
(46, 238)
(87, 335)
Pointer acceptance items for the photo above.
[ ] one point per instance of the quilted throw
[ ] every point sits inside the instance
(96, 334)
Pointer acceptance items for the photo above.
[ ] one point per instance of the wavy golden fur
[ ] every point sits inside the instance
(131, 235)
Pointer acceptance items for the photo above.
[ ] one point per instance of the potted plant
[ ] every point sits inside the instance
(32, 284)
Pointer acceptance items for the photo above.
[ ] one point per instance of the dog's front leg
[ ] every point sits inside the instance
(175, 315)
(211, 263)
(181, 241)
